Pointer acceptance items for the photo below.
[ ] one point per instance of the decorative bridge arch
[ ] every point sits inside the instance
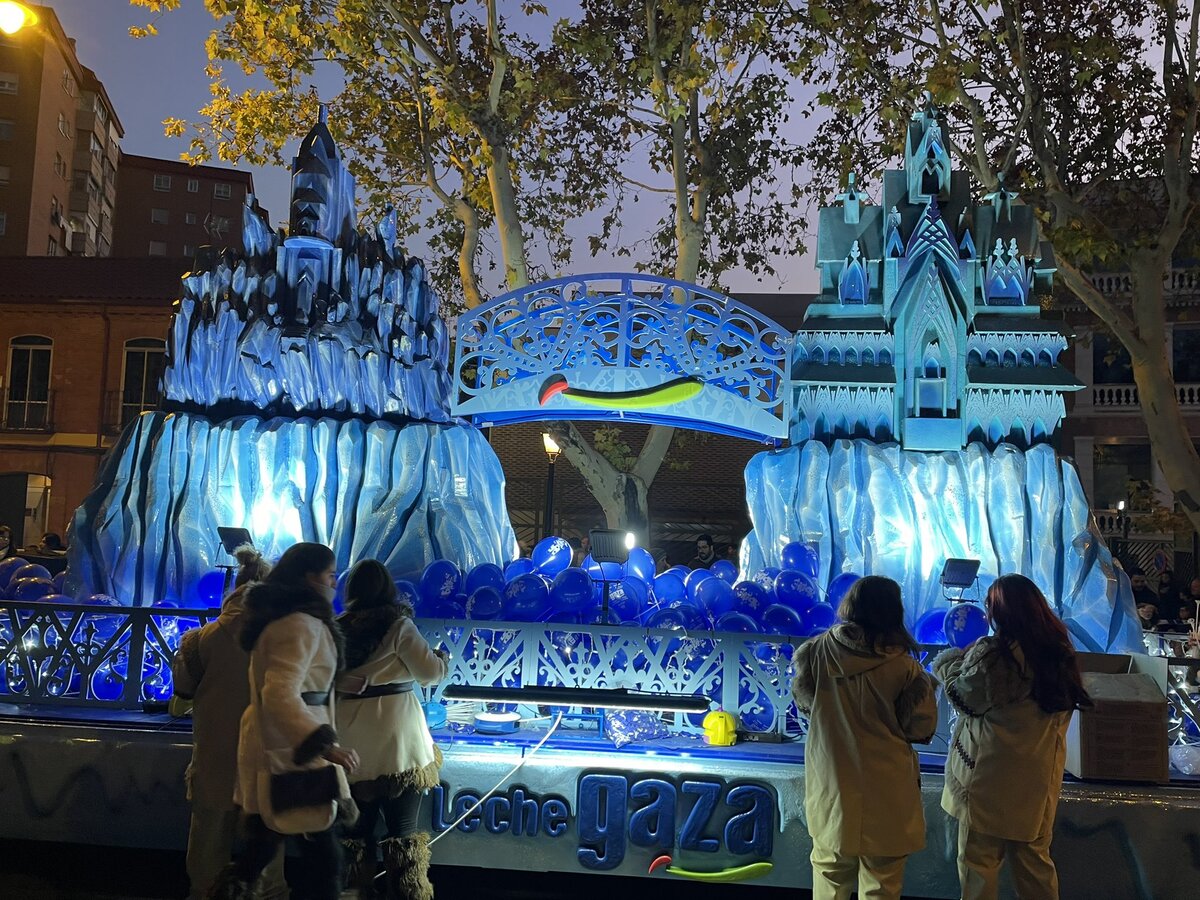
(621, 346)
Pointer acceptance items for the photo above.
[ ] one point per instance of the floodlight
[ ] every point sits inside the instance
(596, 698)
(630, 540)
(960, 573)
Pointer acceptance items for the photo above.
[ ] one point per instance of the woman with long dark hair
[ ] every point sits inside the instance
(1014, 692)
(380, 715)
(295, 652)
(868, 700)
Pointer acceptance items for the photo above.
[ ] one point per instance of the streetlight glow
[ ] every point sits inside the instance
(551, 446)
(630, 540)
(15, 16)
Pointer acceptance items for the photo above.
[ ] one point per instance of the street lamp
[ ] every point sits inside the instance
(552, 450)
(15, 16)
(1123, 525)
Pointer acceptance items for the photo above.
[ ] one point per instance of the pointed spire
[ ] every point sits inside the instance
(851, 202)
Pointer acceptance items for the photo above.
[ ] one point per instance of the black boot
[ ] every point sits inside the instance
(407, 864)
(231, 886)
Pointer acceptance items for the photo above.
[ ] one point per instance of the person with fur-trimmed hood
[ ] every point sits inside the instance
(210, 669)
(295, 652)
(1014, 693)
(380, 714)
(867, 700)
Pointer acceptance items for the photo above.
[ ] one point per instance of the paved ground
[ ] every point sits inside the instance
(36, 871)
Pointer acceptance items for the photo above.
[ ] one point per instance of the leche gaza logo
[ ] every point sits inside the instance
(614, 811)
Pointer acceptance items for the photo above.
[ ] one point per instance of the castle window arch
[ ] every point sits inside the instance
(851, 357)
(868, 357)
(1010, 359)
(834, 356)
(885, 357)
(974, 358)
(1045, 359)
(992, 359)
(1027, 359)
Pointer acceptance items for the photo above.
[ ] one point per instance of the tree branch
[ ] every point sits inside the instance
(653, 452)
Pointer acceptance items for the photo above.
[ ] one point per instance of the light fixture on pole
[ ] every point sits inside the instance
(15, 16)
(552, 450)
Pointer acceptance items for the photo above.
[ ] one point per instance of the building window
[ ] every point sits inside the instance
(3, 223)
(158, 216)
(5, 175)
(219, 225)
(97, 147)
(222, 191)
(27, 404)
(193, 185)
(144, 362)
(52, 248)
(9, 82)
(6, 129)
(162, 182)
(60, 166)
(68, 83)
(189, 218)
(1114, 466)
(1110, 361)
(189, 251)
(1185, 347)
(64, 127)
(158, 248)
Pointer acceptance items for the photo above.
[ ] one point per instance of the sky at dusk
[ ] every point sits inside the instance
(154, 78)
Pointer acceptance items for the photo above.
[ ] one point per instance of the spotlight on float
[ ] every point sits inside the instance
(231, 539)
(609, 545)
(960, 575)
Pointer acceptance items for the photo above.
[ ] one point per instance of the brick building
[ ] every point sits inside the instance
(83, 341)
(59, 139)
(169, 208)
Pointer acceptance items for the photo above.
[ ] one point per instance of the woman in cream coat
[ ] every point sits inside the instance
(295, 648)
(380, 715)
(1014, 693)
(867, 700)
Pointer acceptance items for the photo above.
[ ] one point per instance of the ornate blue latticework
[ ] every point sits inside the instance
(633, 347)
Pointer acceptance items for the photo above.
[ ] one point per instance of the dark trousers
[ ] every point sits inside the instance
(320, 853)
(400, 815)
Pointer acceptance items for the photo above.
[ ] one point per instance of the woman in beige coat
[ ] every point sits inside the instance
(868, 700)
(295, 648)
(210, 670)
(1014, 693)
(380, 715)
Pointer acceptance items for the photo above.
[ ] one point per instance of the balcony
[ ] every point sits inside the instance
(119, 412)
(18, 413)
(1118, 397)
(1175, 281)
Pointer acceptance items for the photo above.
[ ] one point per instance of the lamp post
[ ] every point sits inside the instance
(1123, 526)
(15, 16)
(552, 450)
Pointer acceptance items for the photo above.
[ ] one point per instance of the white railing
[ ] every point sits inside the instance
(1180, 281)
(1125, 396)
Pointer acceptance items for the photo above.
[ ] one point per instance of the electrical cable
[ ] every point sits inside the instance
(499, 784)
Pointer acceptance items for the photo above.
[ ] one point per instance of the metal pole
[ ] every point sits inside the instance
(548, 516)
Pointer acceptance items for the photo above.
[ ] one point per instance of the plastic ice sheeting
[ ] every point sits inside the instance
(404, 495)
(876, 509)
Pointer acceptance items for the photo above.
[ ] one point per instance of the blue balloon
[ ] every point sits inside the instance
(839, 587)
(692, 582)
(780, 619)
(572, 590)
(27, 589)
(715, 597)
(737, 622)
(628, 598)
(518, 567)
(57, 598)
(485, 575)
(795, 589)
(818, 618)
(802, 558)
(210, 587)
(406, 592)
(725, 570)
(450, 608)
(8, 567)
(551, 555)
(752, 598)
(674, 617)
(640, 565)
(102, 600)
(964, 623)
(31, 570)
(766, 578)
(669, 588)
(931, 627)
(609, 571)
(440, 580)
(59, 580)
(525, 598)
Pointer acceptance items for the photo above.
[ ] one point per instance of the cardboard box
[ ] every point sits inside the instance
(1124, 736)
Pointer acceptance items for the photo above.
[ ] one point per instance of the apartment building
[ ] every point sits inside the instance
(59, 139)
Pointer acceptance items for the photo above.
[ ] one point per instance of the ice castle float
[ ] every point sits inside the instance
(927, 392)
(305, 398)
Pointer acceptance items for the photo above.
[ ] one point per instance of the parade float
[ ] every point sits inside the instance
(641, 721)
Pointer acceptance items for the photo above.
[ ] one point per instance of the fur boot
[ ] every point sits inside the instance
(229, 886)
(407, 864)
(360, 871)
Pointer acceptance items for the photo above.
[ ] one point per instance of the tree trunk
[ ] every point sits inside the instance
(467, 251)
(508, 219)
